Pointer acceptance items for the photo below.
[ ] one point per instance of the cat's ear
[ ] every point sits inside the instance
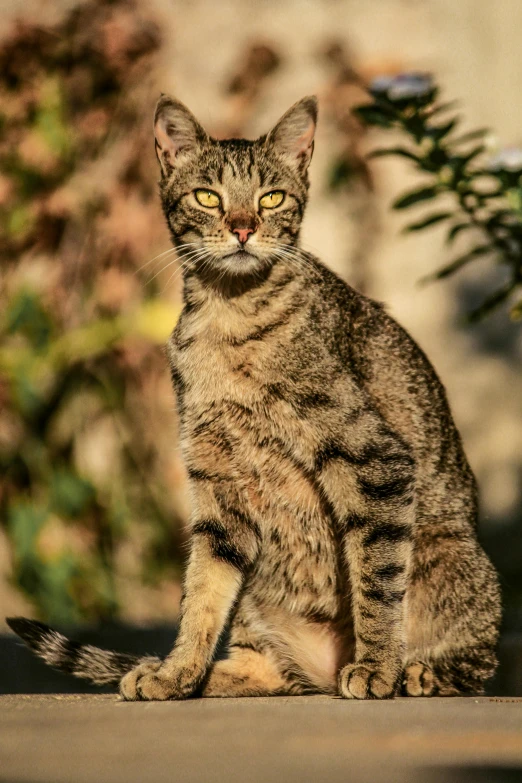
(177, 132)
(293, 136)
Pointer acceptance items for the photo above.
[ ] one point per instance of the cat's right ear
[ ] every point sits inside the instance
(177, 132)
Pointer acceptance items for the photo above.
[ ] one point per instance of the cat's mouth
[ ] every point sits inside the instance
(240, 255)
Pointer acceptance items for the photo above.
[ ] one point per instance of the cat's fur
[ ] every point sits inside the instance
(333, 509)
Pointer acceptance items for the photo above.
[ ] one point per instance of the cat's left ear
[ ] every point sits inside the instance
(293, 136)
(177, 133)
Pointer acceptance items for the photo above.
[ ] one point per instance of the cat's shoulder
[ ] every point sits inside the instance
(363, 325)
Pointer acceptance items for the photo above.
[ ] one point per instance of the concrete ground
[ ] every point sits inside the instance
(86, 739)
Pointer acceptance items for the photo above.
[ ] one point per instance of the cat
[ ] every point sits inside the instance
(333, 524)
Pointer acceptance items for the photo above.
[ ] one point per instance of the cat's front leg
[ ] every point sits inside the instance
(378, 553)
(224, 545)
(372, 492)
(211, 587)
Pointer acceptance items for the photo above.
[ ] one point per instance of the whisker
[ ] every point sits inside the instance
(159, 272)
(288, 253)
(311, 247)
(166, 252)
(189, 253)
(170, 250)
(301, 256)
(181, 258)
(201, 257)
(198, 255)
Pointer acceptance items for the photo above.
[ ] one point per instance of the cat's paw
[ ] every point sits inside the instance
(145, 683)
(366, 681)
(157, 680)
(418, 680)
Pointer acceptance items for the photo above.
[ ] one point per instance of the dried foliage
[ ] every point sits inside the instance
(90, 496)
(90, 489)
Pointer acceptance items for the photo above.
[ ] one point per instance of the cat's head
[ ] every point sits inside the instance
(233, 206)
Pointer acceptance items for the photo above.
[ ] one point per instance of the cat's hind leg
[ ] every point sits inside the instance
(457, 673)
(453, 615)
(418, 679)
(246, 672)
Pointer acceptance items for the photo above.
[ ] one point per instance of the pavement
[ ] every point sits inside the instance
(99, 739)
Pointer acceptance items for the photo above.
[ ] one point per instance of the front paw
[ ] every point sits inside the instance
(367, 681)
(156, 680)
(146, 683)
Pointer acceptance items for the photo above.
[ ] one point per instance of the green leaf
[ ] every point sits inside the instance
(25, 520)
(401, 151)
(442, 107)
(341, 173)
(458, 263)
(27, 315)
(19, 221)
(27, 396)
(456, 229)
(56, 593)
(439, 132)
(415, 196)
(471, 136)
(430, 220)
(50, 120)
(473, 154)
(70, 494)
(372, 114)
(491, 302)
(516, 312)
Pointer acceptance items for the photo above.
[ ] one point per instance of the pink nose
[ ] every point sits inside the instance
(243, 234)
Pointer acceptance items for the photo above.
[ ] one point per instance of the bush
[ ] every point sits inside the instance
(486, 195)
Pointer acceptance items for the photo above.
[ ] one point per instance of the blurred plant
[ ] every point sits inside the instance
(257, 64)
(349, 175)
(65, 527)
(88, 494)
(488, 195)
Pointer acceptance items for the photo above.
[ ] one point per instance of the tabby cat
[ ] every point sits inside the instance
(334, 512)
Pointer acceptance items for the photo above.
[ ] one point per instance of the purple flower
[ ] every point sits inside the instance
(403, 86)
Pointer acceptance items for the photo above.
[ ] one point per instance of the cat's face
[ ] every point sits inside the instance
(233, 206)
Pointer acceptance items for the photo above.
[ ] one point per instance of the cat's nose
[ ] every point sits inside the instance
(242, 224)
(243, 233)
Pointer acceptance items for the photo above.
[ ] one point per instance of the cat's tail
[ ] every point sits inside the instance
(101, 667)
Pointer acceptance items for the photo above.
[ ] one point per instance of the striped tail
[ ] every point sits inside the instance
(101, 667)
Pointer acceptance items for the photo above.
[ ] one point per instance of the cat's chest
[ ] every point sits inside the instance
(252, 397)
(215, 373)
(239, 387)
(234, 409)
(226, 356)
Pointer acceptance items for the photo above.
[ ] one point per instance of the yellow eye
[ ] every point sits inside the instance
(207, 198)
(272, 199)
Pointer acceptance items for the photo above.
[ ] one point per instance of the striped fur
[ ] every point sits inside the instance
(101, 667)
(333, 508)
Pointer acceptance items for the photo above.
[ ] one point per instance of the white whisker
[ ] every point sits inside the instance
(195, 256)
(164, 253)
(170, 250)
(182, 258)
(295, 256)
